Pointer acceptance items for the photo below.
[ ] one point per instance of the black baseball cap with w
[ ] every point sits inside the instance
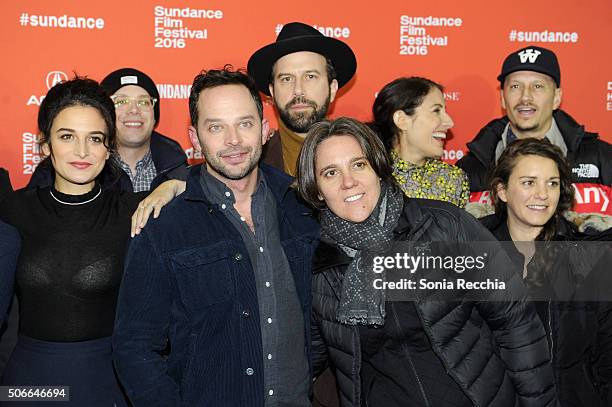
(532, 58)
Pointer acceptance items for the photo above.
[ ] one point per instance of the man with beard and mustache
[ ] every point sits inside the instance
(302, 71)
(224, 274)
(531, 94)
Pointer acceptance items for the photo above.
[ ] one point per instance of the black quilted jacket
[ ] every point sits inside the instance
(580, 332)
(584, 148)
(496, 351)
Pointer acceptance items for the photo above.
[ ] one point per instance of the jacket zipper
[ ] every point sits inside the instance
(552, 343)
(412, 237)
(414, 371)
(168, 169)
(446, 368)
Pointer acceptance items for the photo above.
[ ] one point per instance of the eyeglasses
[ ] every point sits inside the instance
(142, 102)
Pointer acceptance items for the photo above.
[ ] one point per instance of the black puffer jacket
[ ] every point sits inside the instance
(168, 157)
(496, 351)
(584, 150)
(580, 332)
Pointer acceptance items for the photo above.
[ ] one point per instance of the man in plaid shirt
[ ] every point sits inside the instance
(147, 157)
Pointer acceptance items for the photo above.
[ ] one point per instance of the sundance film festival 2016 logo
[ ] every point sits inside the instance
(415, 37)
(31, 152)
(171, 29)
(52, 79)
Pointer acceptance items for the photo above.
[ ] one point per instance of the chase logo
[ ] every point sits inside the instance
(586, 171)
(529, 55)
(55, 77)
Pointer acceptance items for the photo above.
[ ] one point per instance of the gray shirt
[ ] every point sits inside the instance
(553, 135)
(286, 375)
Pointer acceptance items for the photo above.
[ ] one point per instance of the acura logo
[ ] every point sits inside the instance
(55, 77)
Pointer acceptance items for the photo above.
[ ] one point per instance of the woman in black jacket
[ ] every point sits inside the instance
(424, 353)
(531, 189)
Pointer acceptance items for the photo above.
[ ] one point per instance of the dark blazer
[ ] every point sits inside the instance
(188, 280)
(495, 351)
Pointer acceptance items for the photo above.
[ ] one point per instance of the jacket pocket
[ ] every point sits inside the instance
(203, 275)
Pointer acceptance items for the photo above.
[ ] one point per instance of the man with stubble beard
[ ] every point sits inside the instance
(530, 82)
(224, 275)
(302, 71)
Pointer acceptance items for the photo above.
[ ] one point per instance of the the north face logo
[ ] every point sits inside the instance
(529, 55)
(586, 171)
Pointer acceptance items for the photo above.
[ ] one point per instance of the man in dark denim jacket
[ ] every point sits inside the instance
(223, 276)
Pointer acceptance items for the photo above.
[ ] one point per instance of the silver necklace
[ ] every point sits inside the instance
(76, 203)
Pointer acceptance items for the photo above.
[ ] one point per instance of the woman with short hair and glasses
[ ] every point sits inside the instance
(74, 239)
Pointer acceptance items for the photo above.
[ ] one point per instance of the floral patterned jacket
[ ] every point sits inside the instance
(435, 179)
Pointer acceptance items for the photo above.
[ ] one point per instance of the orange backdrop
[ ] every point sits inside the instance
(459, 44)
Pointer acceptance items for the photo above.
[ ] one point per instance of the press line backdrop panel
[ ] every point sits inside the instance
(460, 44)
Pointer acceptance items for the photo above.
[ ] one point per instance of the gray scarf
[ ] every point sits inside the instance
(360, 302)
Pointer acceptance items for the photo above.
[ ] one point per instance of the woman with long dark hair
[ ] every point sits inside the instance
(566, 274)
(411, 119)
(405, 353)
(74, 239)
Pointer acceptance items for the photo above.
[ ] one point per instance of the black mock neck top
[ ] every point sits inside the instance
(71, 260)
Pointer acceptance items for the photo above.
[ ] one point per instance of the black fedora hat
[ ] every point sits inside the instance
(296, 37)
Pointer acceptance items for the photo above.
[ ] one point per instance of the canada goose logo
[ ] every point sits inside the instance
(529, 55)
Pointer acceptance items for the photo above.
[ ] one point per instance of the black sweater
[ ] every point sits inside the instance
(71, 262)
